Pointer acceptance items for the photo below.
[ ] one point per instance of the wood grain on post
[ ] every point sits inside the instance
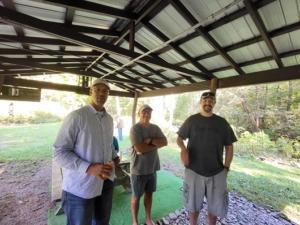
(214, 85)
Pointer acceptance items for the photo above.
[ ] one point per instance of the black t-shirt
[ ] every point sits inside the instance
(207, 138)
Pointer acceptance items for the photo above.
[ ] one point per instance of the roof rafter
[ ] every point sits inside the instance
(9, 4)
(202, 31)
(263, 31)
(60, 69)
(93, 8)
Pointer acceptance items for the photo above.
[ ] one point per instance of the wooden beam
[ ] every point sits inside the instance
(164, 38)
(134, 106)
(263, 30)
(58, 87)
(213, 85)
(204, 33)
(2, 78)
(60, 69)
(268, 76)
(93, 8)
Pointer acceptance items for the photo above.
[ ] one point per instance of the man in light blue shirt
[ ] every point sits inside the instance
(83, 146)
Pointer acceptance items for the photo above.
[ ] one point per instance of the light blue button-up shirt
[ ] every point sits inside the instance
(85, 137)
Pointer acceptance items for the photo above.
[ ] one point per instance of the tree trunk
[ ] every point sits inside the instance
(290, 95)
(252, 122)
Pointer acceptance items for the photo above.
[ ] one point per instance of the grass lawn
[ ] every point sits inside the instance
(272, 185)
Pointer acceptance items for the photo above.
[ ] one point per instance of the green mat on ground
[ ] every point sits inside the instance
(166, 199)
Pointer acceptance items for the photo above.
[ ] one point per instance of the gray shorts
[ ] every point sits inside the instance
(214, 188)
(142, 183)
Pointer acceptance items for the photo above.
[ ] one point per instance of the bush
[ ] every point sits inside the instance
(44, 117)
(170, 134)
(38, 117)
(272, 134)
(285, 146)
(18, 119)
(256, 144)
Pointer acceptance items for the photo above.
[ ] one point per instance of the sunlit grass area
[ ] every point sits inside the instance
(272, 185)
(27, 142)
(268, 184)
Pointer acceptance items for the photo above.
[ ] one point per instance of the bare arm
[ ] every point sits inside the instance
(228, 155)
(144, 146)
(184, 154)
(158, 142)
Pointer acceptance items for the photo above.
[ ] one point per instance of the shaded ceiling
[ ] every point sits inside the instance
(149, 47)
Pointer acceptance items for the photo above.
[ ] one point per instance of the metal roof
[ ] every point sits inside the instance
(149, 47)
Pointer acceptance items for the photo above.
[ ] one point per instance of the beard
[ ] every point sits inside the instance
(207, 108)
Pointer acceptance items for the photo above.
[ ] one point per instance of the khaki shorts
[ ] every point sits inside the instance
(214, 188)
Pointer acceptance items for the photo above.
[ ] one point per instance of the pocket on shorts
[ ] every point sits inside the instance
(185, 190)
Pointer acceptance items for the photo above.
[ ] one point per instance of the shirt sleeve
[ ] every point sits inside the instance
(160, 134)
(135, 135)
(63, 147)
(231, 138)
(184, 130)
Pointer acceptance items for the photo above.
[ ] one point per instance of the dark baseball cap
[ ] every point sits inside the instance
(208, 94)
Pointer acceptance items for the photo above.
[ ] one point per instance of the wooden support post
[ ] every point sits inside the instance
(2, 78)
(131, 35)
(214, 85)
(133, 114)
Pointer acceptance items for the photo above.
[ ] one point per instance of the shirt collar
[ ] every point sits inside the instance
(94, 111)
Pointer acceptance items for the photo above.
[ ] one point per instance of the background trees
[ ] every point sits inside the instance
(253, 111)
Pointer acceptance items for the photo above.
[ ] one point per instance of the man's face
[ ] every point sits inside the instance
(145, 115)
(99, 93)
(207, 104)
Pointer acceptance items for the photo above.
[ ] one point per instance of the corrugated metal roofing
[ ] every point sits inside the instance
(147, 46)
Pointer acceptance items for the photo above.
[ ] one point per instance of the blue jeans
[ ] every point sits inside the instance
(120, 134)
(95, 211)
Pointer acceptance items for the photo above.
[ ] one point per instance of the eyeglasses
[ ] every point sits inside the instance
(101, 90)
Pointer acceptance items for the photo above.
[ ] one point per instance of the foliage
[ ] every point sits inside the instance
(186, 105)
(37, 117)
(125, 105)
(291, 148)
(256, 144)
(170, 133)
(285, 146)
(44, 117)
(272, 134)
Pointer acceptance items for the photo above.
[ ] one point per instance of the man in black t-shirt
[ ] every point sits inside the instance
(206, 174)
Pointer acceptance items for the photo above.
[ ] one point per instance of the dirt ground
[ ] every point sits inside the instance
(24, 196)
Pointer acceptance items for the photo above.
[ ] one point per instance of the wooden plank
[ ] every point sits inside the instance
(56, 181)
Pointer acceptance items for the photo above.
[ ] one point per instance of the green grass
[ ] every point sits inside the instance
(272, 185)
(27, 142)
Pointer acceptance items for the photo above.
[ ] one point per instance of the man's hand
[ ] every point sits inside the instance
(184, 154)
(147, 141)
(98, 169)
